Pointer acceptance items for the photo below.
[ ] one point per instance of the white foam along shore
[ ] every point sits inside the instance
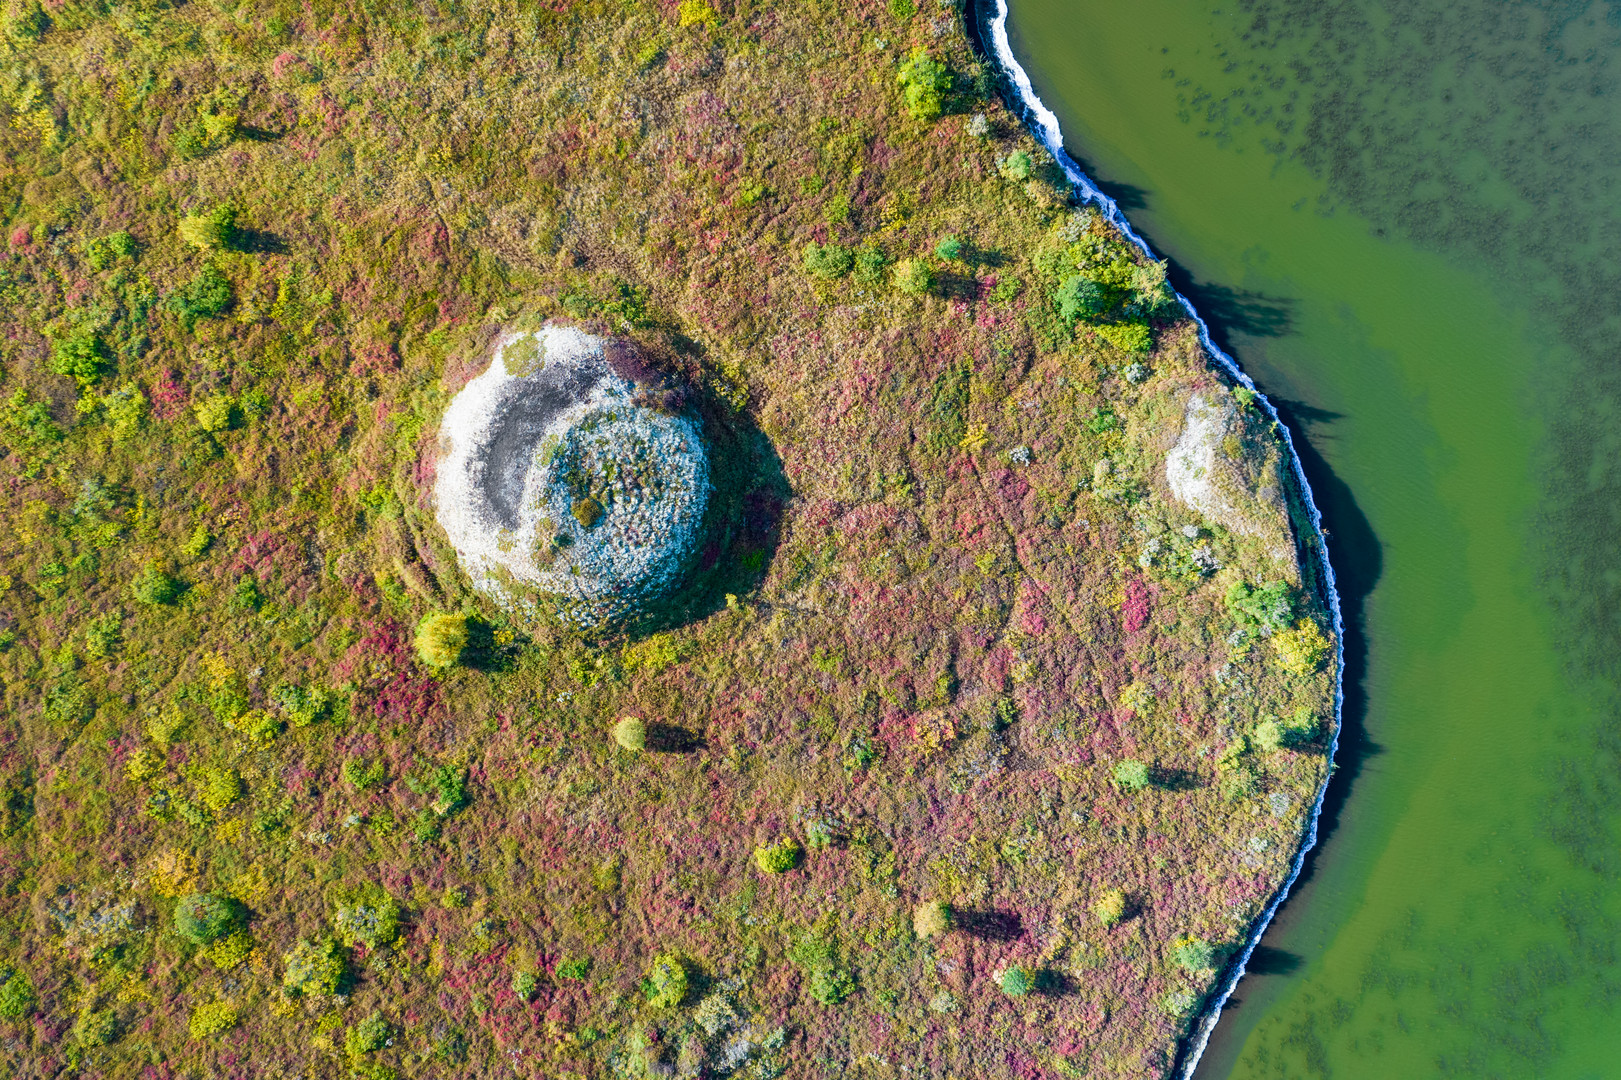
(1045, 126)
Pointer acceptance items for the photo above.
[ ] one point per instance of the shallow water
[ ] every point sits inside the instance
(1402, 221)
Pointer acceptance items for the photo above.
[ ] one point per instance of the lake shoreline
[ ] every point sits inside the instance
(987, 30)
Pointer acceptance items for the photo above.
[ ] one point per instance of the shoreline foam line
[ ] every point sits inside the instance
(1046, 128)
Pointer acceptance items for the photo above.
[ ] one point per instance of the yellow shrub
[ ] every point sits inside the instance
(142, 766)
(211, 1019)
(1301, 648)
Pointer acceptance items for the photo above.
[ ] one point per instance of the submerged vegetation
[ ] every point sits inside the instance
(966, 747)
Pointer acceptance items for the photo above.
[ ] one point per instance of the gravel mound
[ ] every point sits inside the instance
(560, 476)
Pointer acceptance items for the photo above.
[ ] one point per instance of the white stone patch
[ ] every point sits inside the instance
(1237, 488)
(552, 479)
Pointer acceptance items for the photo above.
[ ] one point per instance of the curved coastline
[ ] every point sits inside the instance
(1044, 124)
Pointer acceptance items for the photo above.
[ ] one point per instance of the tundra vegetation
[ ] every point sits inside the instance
(967, 750)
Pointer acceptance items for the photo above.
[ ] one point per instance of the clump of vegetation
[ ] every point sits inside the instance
(1131, 776)
(932, 919)
(778, 858)
(631, 733)
(213, 230)
(914, 277)
(828, 261)
(1016, 981)
(371, 918)
(827, 982)
(441, 639)
(313, 968)
(368, 1036)
(1302, 648)
(203, 918)
(924, 83)
(666, 984)
(17, 996)
(1194, 954)
(211, 1019)
(1111, 907)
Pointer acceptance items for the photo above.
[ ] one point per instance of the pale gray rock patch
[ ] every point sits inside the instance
(554, 479)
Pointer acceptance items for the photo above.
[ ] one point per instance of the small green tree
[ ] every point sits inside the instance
(313, 968)
(1131, 775)
(369, 1035)
(1018, 166)
(666, 984)
(1016, 981)
(631, 733)
(211, 1019)
(870, 261)
(830, 985)
(1079, 297)
(1111, 907)
(949, 248)
(152, 586)
(827, 261)
(370, 918)
(213, 230)
(17, 996)
(441, 639)
(778, 858)
(1193, 954)
(914, 277)
(202, 918)
(924, 82)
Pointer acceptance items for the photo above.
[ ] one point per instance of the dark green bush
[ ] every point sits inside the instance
(1194, 954)
(205, 296)
(830, 985)
(870, 261)
(1017, 981)
(1268, 607)
(1079, 297)
(827, 261)
(202, 918)
(576, 968)
(949, 247)
(155, 587)
(80, 356)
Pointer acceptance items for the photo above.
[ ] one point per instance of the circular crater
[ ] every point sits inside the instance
(566, 474)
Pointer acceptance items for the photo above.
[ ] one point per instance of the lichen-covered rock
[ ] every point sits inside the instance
(556, 479)
(1227, 466)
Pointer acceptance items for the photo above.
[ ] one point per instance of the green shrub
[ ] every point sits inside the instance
(666, 984)
(949, 248)
(1194, 954)
(367, 1036)
(218, 787)
(924, 82)
(211, 1019)
(360, 774)
(152, 586)
(313, 968)
(1131, 775)
(1134, 338)
(828, 261)
(631, 733)
(778, 858)
(1078, 297)
(97, 1027)
(1017, 166)
(576, 968)
(80, 356)
(207, 133)
(523, 984)
(870, 261)
(214, 230)
(1016, 981)
(202, 918)
(587, 512)
(216, 413)
(302, 706)
(1111, 907)
(104, 635)
(17, 996)
(370, 918)
(830, 985)
(932, 919)
(205, 296)
(245, 595)
(914, 277)
(441, 639)
(1267, 607)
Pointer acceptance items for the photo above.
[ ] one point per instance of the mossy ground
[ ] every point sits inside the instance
(920, 644)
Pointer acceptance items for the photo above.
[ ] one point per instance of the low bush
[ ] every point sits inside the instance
(914, 277)
(313, 968)
(924, 82)
(523, 984)
(1266, 607)
(370, 1035)
(1194, 954)
(1131, 775)
(1302, 648)
(949, 248)
(370, 918)
(666, 984)
(96, 1027)
(827, 261)
(778, 858)
(1132, 337)
(1017, 166)
(870, 261)
(211, 1019)
(205, 296)
(631, 733)
(830, 985)
(576, 968)
(214, 230)
(17, 996)
(203, 918)
(440, 640)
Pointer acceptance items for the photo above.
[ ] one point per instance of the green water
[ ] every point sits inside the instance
(1404, 221)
